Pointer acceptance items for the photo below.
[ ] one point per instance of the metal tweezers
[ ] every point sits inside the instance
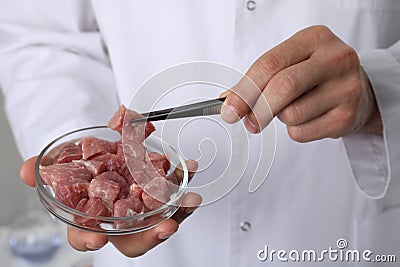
(204, 108)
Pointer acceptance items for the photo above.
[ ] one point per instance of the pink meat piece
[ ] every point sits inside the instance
(137, 132)
(156, 193)
(52, 174)
(70, 192)
(92, 146)
(94, 166)
(93, 206)
(160, 159)
(55, 152)
(134, 150)
(154, 169)
(133, 132)
(135, 165)
(120, 150)
(135, 191)
(117, 119)
(126, 208)
(107, 191)
(115, 177)
(123, 193)
(141, 178)
(112, 176)
(126, 174)
(112, 162)
(68, 152)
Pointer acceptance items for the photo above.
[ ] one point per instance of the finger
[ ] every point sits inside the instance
(189, 204)
(284, 88)
(27, 172)
(192, 167)
(311, 105)
(333, 124)
(177, 175)
(137, 244)
(240, 100)
(225, 93)
(84, 241)
(297, 48)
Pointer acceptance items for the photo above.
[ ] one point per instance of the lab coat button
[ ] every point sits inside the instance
(251, 5)
(245, 226)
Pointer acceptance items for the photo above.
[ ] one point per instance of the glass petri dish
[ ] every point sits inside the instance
(107, 225)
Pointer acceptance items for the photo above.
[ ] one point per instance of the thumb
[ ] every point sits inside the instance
(27, 172)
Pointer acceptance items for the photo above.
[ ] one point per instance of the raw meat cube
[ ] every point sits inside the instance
(117, 119)
(70, 192)
(52, 174)
(123, 193)
(107, 191)
(94, 166)
(134, 158)
(126, 174)
(141, 178)
(135, 165)
(112, 176)
(156, 193)
(133, 132)
(137, 132)
(68, 147)
(115, 177)
(92, 206)
(69, 152)
(134, 150)
(135, 191)
(112, 162)
(92, 146)
(158, 159)
(154, 169)
(128, 207)
(120, 150)
(125, 208)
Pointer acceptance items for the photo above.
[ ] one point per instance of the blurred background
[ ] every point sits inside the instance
(16, 200)
(15, 196)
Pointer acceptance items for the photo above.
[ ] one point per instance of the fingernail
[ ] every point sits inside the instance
(251, 127)
(229, 114)
(190, 210)
(224, 94)
(163, 236)
(92, 246)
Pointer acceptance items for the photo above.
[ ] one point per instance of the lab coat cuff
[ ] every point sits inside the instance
(373, 158)
(367, 156)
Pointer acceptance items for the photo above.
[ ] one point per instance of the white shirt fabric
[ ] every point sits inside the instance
(71, 63)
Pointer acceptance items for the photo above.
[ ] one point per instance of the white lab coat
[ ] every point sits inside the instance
(68, 64)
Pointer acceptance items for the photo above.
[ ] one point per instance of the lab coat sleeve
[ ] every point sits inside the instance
(54, 72)
(375, 160)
